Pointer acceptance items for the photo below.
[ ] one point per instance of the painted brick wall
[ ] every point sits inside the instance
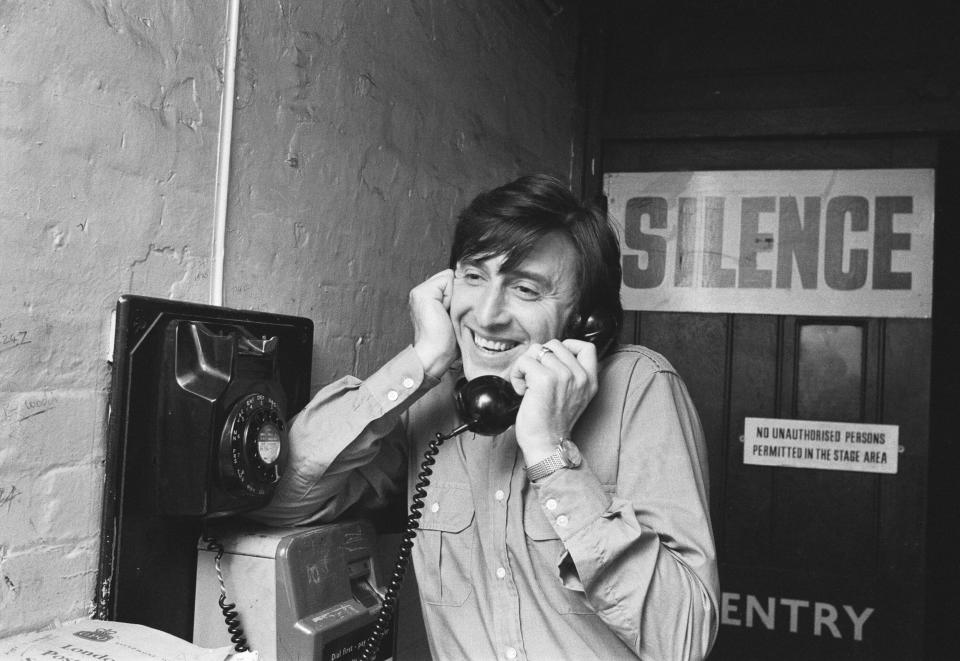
(360, 129)
(108, 133)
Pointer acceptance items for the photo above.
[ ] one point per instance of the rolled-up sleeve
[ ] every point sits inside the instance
(348, 445)
(643, 552)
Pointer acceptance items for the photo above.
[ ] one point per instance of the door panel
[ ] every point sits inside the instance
(813, 563)
(754, 378)
(824, 379)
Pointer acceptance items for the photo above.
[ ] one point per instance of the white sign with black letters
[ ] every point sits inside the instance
(819, 242)
(862, 447)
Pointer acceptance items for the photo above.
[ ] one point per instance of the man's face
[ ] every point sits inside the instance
(498, 314)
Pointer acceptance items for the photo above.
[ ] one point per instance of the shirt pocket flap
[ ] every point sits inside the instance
(447, 508)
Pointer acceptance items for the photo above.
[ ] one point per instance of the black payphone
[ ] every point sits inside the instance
(197, 431)
(212, 408)
(196, 428)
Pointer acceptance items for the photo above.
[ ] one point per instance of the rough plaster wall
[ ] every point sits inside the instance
(360, 129)
(108, 133)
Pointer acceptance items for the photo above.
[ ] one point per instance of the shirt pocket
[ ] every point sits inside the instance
(545, 551)
(445, 545)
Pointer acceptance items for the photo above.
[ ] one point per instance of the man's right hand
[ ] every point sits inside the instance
(433, 336)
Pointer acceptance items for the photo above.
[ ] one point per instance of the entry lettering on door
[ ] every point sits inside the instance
(794, 615)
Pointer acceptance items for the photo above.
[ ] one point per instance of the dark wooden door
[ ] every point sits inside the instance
(814, 564)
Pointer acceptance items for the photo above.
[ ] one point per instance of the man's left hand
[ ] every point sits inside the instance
(557, 381)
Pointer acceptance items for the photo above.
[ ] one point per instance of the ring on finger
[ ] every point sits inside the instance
(543, 352)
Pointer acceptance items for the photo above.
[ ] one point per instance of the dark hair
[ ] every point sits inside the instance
(511, 219)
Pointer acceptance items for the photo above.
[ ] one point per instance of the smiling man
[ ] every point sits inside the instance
(583, 530)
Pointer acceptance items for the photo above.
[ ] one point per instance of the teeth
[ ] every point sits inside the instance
(492, 345)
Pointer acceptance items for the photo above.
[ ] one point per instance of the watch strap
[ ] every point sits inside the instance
(547, 466)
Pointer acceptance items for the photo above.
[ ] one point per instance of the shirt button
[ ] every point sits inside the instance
(501, 572)
(408, 383)
(435, 507)
(551, 504)
(499, 495)
(562, 521)
(511, 653)
(392, 395)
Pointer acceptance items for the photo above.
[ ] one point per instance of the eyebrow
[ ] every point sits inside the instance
(539, 278)
(516, 273)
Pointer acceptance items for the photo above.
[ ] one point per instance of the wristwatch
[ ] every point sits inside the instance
(567, 455)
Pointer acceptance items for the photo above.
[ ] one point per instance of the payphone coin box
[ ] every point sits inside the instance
(301, 593)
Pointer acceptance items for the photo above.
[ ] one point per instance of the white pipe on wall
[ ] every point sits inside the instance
(223, 155)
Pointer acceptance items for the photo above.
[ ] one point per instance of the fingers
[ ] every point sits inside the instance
(529, 368)
(557, 380)
(576, 356)
(570, 362)
(438, 287)
(433, 334)
(585, 353)
(444, 281)
(518, 374)
(427, 298)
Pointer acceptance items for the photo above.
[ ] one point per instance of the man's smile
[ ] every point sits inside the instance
(492, 345)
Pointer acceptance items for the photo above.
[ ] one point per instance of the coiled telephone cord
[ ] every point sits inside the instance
(388, 607)
(230, 615)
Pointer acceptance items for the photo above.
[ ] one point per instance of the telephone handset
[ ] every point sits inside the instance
(487, 405)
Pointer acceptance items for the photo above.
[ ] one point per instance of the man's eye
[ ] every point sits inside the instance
(525, 292)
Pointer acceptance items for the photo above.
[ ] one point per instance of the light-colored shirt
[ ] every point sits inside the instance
(611, 560)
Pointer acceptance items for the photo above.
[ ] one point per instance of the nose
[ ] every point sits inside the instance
(490, 310)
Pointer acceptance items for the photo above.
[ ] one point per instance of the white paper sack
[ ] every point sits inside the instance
(88, 640)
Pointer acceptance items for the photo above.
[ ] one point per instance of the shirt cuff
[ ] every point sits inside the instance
(398, 380)
(571, 499)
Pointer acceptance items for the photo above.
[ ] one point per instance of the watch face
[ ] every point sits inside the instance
(570, 453)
